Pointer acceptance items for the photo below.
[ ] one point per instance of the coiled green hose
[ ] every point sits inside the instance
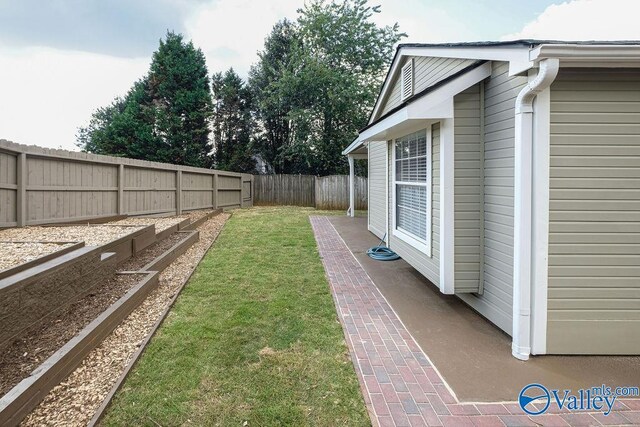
(382, 253)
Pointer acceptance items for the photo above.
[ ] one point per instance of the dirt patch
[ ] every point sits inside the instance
(76, 399)
(92, 235)
(39, 342)
(16, 253)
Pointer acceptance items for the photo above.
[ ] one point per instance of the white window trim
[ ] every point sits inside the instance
(419, 244)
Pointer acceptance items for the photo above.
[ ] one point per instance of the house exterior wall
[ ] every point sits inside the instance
(428, 266)
(594, 213)
(467, 190)
(427, 71)
(496, 300)
(378, 188)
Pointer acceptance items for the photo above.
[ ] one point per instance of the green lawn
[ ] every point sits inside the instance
(254, 337)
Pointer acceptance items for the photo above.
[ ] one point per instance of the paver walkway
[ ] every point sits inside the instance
(400, 385)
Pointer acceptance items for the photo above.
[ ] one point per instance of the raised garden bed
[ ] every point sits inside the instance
(164, 225)
(91, 235)
(19, 256)
(93, 383)
(42, 340)
(83, 324)
(199, 217)
(24, 396)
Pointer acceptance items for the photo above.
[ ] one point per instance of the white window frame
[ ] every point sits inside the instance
(416, 242)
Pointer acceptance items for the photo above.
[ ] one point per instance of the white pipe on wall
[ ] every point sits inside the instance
(523, 185)
(352, 191)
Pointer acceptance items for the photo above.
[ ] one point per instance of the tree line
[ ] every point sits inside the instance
(312, 88)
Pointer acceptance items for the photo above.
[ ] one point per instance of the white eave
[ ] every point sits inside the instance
(589, 55)
(517, 56)
(437, 104)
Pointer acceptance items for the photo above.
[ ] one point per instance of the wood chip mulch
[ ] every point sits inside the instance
(43, 339)
(75, 400)
(15, 253)
(92, 235)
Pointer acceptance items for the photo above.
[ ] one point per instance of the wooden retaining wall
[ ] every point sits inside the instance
(42, 186)
(327, 192)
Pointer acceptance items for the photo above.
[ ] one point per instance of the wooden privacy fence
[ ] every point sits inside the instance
(327, 192)
(40, 185)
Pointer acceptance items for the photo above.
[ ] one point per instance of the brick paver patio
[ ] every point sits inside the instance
(399, 384)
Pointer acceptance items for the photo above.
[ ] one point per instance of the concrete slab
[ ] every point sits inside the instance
(472, 354)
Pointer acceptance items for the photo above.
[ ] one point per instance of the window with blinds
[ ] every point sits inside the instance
(412, 180)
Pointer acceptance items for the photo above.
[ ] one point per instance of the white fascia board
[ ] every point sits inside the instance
(571, 55)
(434, 105)
(352, 147)
(517, 56)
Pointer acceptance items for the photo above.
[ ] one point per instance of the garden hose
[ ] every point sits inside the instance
(382, 253)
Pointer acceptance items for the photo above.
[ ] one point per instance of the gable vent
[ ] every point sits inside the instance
(407, 80)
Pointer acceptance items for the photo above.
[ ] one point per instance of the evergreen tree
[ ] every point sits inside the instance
(315, 83)
(272, 109)
(232, 123)
(164, 117)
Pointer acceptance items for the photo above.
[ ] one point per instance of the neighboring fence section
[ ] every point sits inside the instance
(327, 192)
(39, 186)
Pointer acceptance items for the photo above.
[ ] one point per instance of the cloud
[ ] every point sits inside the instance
(423, 22)
(47, 93)
(231, 32)
(584, 20)
(127, 28)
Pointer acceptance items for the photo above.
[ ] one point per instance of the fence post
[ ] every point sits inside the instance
(21, 192)
(179, 192)
(121, 189)
(215, 190)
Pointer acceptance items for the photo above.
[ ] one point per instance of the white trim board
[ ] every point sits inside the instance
(447, 207)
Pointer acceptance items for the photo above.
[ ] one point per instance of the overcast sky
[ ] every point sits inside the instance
(61, 59)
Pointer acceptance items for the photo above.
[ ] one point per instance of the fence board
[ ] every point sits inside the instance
(284, 190)
(329, 192)
(62, 186)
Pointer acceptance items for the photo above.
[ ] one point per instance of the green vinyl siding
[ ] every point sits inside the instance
(378, 188)
(594, 213)
(496, 300)
(467, 190)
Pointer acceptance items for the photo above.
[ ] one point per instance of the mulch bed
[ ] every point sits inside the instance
(75, 400)
(151, 253)
(16, 253)
(42, 340)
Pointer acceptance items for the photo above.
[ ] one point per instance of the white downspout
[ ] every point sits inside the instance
(352, 196)
(523, 185)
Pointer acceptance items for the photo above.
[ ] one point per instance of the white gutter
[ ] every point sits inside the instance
(523, 186)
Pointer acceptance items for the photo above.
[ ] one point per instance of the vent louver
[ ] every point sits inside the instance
(407, 80)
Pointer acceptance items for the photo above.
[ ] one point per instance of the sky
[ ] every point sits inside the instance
(62, 59)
